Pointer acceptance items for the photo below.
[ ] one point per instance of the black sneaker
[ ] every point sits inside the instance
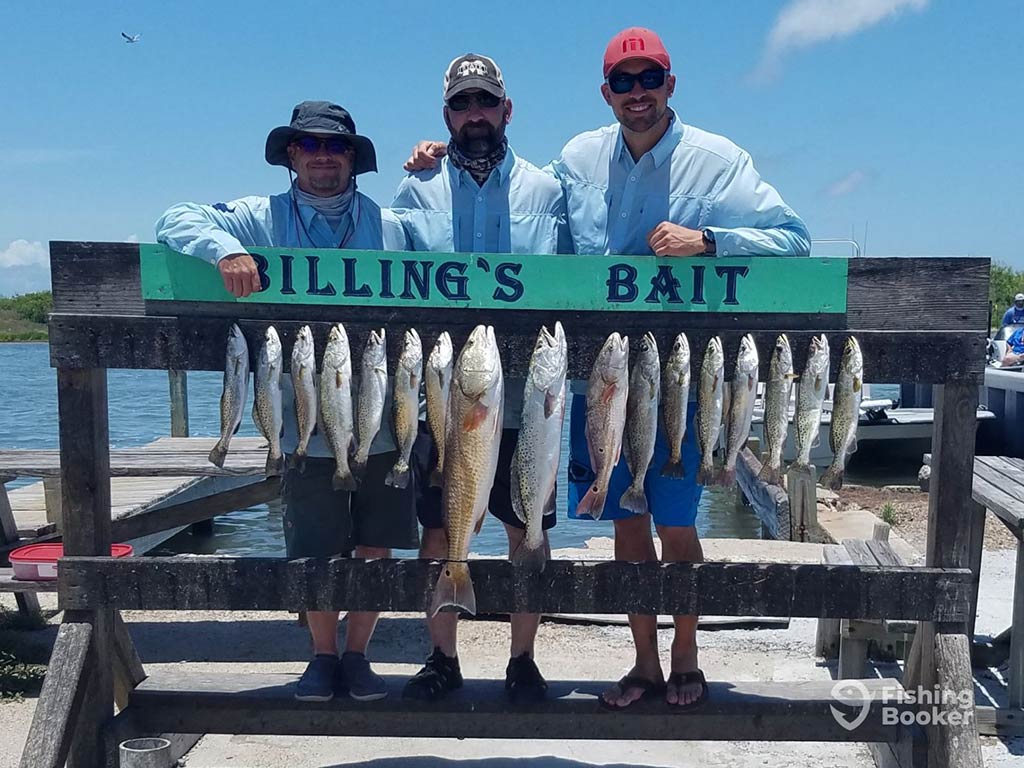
(439, 676)
(317, 682)
(523, 681)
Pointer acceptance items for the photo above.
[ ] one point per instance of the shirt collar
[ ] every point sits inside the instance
(504, 170)
(661, 151)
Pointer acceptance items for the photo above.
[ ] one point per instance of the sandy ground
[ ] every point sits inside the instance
(221, 641)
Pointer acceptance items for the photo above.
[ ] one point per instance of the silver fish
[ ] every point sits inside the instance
(336, 406)
(439, 381)
(406, 407)
(675, 397)
(741, 406)
(776, 409)
(810, 394)
(538, 449)
(236, 390)
(607, 392)
(710, 404)
(641, 422)
(845, 413)
(267, 412)
(304, 384)
(475, 410)
(373, 387)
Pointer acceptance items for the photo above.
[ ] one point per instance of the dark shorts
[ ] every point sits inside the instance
(500, 502)
(322, 522)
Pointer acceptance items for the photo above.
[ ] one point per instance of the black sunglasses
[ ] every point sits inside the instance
(312, 144)
(622, 82)
(462, 101)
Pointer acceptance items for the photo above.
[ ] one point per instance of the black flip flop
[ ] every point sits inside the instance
(651, 690)
(679, 679)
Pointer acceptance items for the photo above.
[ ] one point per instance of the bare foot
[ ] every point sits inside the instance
(633, 687)
(682, 689)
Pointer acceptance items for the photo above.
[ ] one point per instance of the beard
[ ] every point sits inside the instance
(643, 122)
(479, 139)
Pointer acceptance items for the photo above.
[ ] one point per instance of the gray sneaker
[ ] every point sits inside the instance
(363, 683)
(317, 682)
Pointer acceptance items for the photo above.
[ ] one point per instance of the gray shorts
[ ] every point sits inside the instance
(322, 522)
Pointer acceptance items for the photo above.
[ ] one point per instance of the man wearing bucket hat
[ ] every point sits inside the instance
(321, 209)
(483, 198)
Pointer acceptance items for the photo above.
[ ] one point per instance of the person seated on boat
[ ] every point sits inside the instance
(321, 209)
(1014, 349)
(1015, 314)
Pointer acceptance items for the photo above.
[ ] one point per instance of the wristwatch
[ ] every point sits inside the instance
(709, 240)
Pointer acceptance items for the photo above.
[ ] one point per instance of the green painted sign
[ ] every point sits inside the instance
(510, 281)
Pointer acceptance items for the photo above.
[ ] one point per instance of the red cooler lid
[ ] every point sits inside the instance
(51, 553)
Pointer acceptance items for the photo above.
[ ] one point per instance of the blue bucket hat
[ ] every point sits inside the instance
(320, 117)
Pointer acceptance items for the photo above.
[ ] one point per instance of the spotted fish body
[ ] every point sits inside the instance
(675, 397)
(304, 384)
(538, 448)
(438, 381)
(741, 406)
(641, 422)
(776, 409)
(607, 392)
(406, 407)
(810, 394)
(234, 394)
(475, 410)
(267, 410)
(845, 413)
(373, 387)
(710, 404)
(336, 418)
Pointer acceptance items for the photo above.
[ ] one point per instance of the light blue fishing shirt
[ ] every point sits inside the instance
(211, 232)
(519, 209)
(690, 177)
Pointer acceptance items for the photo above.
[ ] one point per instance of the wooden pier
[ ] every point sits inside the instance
(101, 320)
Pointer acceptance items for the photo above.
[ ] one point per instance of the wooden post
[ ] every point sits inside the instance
(1016, 662)
(801, 486)
(28, 602)
(85, 487)
(178, 381)
(52, 500)
(977, 514)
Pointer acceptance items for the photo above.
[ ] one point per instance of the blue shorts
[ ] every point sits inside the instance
(672, 500)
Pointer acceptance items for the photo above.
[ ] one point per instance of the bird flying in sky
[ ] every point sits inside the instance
(130, 38)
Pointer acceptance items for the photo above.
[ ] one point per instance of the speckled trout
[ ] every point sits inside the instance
(810, 394)
(743, 390)
(675, 399)
(304, 384)
(641, 422)
(267, 411)
(710, 403)
(538, 448)
(845, 413)
(473, 434)
(405, 407)
(776, 409)
(439, 382)
(373, 387)
(236, 390)
(336, 406)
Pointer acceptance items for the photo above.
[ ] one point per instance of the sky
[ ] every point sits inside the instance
(896, 122)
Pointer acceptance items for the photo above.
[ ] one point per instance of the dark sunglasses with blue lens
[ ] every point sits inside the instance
(650, 79)
(311, 144)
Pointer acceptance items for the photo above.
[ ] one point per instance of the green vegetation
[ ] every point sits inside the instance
(888, 513)
(1005, 283)
(23, 318)
(18, 678)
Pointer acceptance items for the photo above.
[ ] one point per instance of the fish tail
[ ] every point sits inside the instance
(298, 460)
(454, 589)
(797, 465)
(706, 474)
(435, 477)
(219, 453)
(530, 559)
(592, 503)
(357, 465)
(673, 467)
(275, 462)
(398, 477)
(343, 480)
(727, 477)
(634, 500)
(833, 477)
(770, 475)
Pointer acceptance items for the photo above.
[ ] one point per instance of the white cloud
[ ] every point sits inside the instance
(22, 253)
(133, 238)
(847, 184)
(804, 23)
(24, 267)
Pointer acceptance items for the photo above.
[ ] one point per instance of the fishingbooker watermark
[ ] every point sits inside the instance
(921, 706)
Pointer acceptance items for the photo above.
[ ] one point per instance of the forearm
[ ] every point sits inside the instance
(785, 240)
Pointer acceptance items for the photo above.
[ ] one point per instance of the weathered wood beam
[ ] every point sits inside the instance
(722, 589)
(197, 343)
(60, 701)
(956, 743)
(911, 751)
(178, 384)
(128, 670)
(769, 502)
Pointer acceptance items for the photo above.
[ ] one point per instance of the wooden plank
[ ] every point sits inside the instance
(997, 501)
(859, 552)
(884, 553)
(10, 584)
(911, 751)
(999, 721)
(1015, 684)
(976, 512)
(128, 670)
(178, 383)
(264, 703)
(720, 589)
(801, 487)
(100, 278)
(8, 526)
(197, 343)
(957, 744)
(769, 502)
(60, 701)
(826, 642)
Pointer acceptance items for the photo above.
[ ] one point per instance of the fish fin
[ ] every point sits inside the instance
(435, 477)
(634, 500)
(454, 589)
(475, 417)
(706, 474)
(516, 492)
(414, 380)
(343, 480)
(817, 382)
(833, 477)
(817, 440)
(608, 393)
(218, 454)
(853, 447)
(338, 379)
(549, 505)
(275, 463)
(770, 475)
(398, 477)
(530, 560)
(238, 426)
(550, 400)
(751, 383)
(592, 503)
(673, 468)
(479, 524)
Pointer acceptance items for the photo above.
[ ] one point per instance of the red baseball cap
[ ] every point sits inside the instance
(635, 43)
